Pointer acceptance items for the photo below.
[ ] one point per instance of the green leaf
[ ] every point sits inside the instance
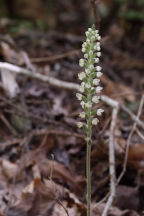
(93, 113)
(85, 128)
(84, 99)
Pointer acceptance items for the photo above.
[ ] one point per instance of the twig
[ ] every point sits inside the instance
(11, 129)
(94, 4)
(56, 57)
(133, 117)
(129, 139)
(68, 86)
(52, 81)
(111, 161)
(114, 103)
(139, 133)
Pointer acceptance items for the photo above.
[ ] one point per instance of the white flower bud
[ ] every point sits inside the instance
(88, 41)
(98, 89)
(96, 81)
(81, 62)
(93, 38)
(85, 55)
(95, 121)
(98, 54)
(98, 68)
(88, 104)
(83, 49)
(82, 115)
(81, 88)
(81, 76)
(89, 29)
(87, 71)
(79, 96)
(88, 85)
(96, 60)
(80, 124)
(99, 74)
(87, 33)
(82, 103)
(90, 52)
(98, 43)
(82, 84)
(95, 99)
(99, 38)
(84, 44)
(99, 112)
(98, 48)
(91, 67)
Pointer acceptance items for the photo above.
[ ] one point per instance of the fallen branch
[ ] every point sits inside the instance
(129, 139)
(112, 161)
(68, 86)
(52, 81)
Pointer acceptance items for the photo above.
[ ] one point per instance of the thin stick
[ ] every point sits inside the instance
(111, 162)
(129, 139)
(52, 81)
(54, 58)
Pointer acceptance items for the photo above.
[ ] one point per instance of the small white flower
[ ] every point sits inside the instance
(98, 54)
(91, 67)
(99, 112)
(82, 103)
(99, 38)
(81, 62)
(83, 84)
(89, 29)
(81, 76)
(88, 85)
(98, 68)
(87, 71)
(80, 124)
(93, 38)
(96, 81)
(95, 121)
(98, 48)
(96, 31)
(90, 52)
(82, 115)
(81, 88)
(96, 60)
(87, 33)
(99, 74)
(87, 41)
(88, 104)
(85, 55)
(98, 89)
(83, 49)
(84, 44)
(79, 96)
(95, 99)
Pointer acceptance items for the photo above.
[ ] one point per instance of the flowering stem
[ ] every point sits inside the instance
(90, 90)
(88, 166)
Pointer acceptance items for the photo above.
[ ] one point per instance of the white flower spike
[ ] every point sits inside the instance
(90, 89)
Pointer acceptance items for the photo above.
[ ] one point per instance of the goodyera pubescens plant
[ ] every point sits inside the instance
(89, 95)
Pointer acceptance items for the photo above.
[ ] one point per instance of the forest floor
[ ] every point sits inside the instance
(42, 152)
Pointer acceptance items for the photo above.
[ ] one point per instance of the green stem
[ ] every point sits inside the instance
(88, 165)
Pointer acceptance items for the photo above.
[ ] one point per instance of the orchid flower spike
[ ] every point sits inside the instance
(90, 78)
